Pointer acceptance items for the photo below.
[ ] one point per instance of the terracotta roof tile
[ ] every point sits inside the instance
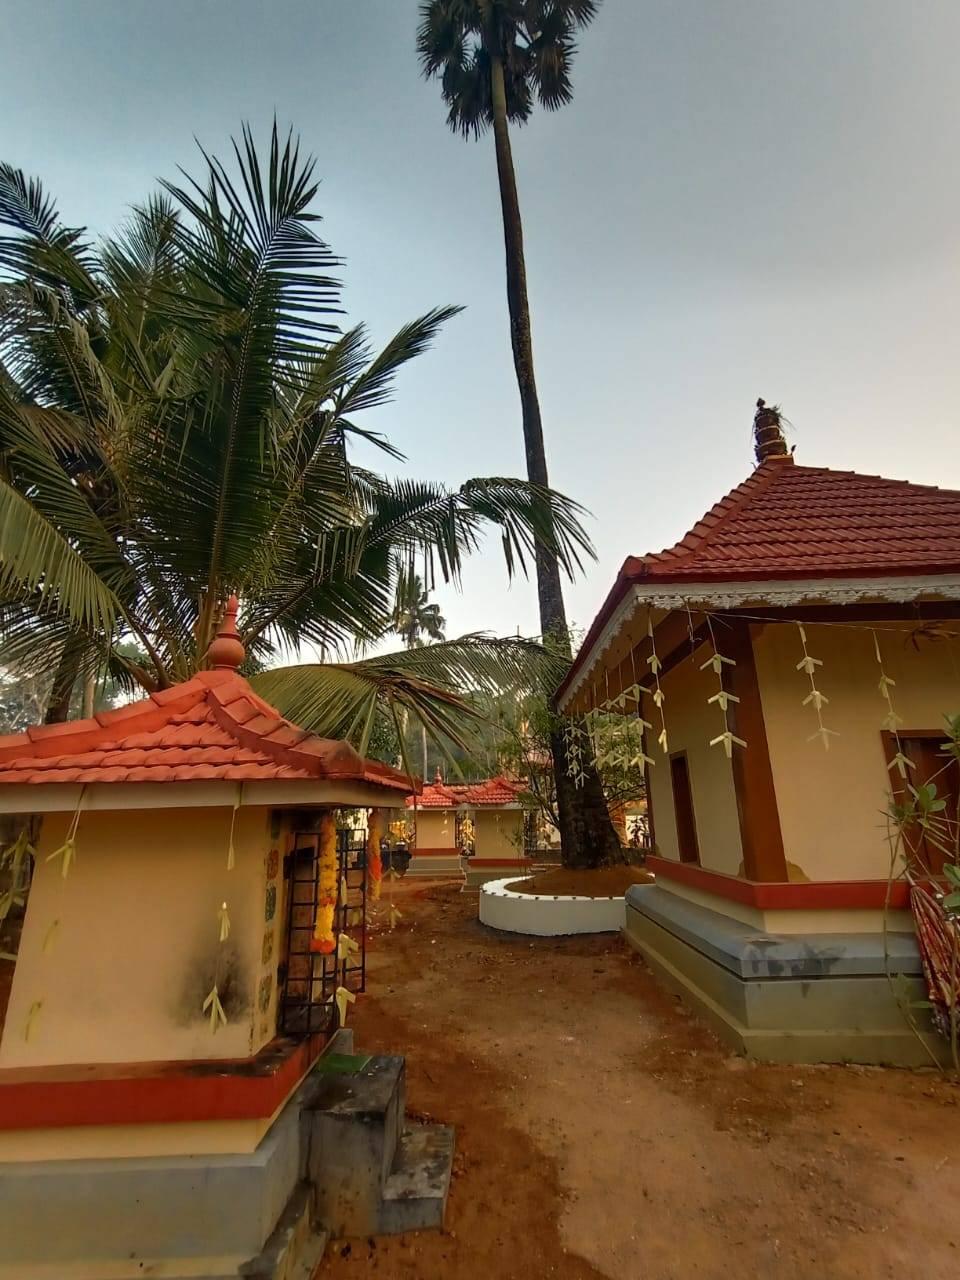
(792, 522)
(787, 521)
(492, 792)
(212, 727)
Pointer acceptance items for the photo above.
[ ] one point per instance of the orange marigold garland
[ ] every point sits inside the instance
(374, 863)
(324, 939)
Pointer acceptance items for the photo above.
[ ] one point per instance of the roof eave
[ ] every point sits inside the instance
(675, 591)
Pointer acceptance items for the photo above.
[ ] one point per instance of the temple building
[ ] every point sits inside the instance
(470, 828)
(193, 938)
(789, 664)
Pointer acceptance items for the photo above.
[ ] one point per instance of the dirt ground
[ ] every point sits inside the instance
(602, 1131)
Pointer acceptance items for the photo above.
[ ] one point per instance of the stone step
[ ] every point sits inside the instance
(352, 1123)
(415, 1193)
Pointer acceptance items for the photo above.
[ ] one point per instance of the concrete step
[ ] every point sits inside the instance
(352, 1126)
(415, 1193)
(371, 1172)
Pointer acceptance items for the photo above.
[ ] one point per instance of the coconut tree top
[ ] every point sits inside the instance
(178, 406)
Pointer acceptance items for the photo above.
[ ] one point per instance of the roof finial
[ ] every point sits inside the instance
(768, 437)
(226, 650)
(438, 778)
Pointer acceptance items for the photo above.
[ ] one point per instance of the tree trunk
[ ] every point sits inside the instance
(89, 695)
(64, 679)
(423, 736)
(587, 836)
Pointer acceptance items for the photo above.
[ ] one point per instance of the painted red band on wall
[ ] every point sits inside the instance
(821, 895)
(154, 1093)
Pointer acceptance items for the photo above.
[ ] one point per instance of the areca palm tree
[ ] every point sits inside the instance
(495, 60)
(177, 412)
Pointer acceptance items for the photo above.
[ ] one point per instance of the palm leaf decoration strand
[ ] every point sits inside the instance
(178, 410)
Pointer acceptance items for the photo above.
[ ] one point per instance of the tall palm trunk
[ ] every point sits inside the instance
(587, 836)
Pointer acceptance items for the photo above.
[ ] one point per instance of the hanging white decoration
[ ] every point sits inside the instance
(891, 720)
(722, 698)
(659, 697)
(815, 698)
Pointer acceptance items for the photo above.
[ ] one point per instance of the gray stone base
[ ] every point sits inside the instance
(340, 1158)
(435, 865)
(785, 998)
(201, 1217)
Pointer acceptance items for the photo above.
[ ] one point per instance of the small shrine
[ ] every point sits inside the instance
(194, 937)
(471, 828)
(790, 674)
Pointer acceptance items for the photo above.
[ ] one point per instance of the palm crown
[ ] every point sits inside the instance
(535, 41)
(414, 615)
(176, 412)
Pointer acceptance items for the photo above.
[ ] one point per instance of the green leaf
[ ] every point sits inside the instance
(36, 558)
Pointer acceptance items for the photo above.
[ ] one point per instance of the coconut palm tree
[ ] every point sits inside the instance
(177, 412)
(416, 621)
(495, 59)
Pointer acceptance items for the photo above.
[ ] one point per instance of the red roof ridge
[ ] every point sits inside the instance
(719, 515)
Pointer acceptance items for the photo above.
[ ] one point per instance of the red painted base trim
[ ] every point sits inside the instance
(820, 895)
(155, 1092)
(436, 853)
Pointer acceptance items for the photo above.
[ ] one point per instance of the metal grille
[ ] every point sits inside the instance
(309, 981)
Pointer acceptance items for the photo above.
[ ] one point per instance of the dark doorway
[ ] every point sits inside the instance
(683, 808)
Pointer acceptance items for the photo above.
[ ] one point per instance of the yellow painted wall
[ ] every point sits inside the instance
(832, 803)
(113, 1141)
(499, 833)
(691, 723)
(436, 829)
(135, 951)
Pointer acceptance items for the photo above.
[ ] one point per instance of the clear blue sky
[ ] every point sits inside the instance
(747, 197)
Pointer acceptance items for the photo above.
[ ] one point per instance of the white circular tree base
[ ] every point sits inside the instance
(548, 915)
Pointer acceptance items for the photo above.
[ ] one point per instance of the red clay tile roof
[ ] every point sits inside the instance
(787, 521)
(450, 795)
(212, 727)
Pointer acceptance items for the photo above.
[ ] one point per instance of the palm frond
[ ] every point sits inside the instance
(35, 557)
(433, 686)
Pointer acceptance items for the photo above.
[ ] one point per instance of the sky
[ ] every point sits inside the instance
(746, 198)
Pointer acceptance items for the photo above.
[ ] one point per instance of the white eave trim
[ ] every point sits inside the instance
(63, 797)
(777, 593)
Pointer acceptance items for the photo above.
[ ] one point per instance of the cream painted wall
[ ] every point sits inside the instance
(118, 1141)
(691, 723)
(436, 829)
(135, 950)
(832, 803)
(499, 833)
(779, 920)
